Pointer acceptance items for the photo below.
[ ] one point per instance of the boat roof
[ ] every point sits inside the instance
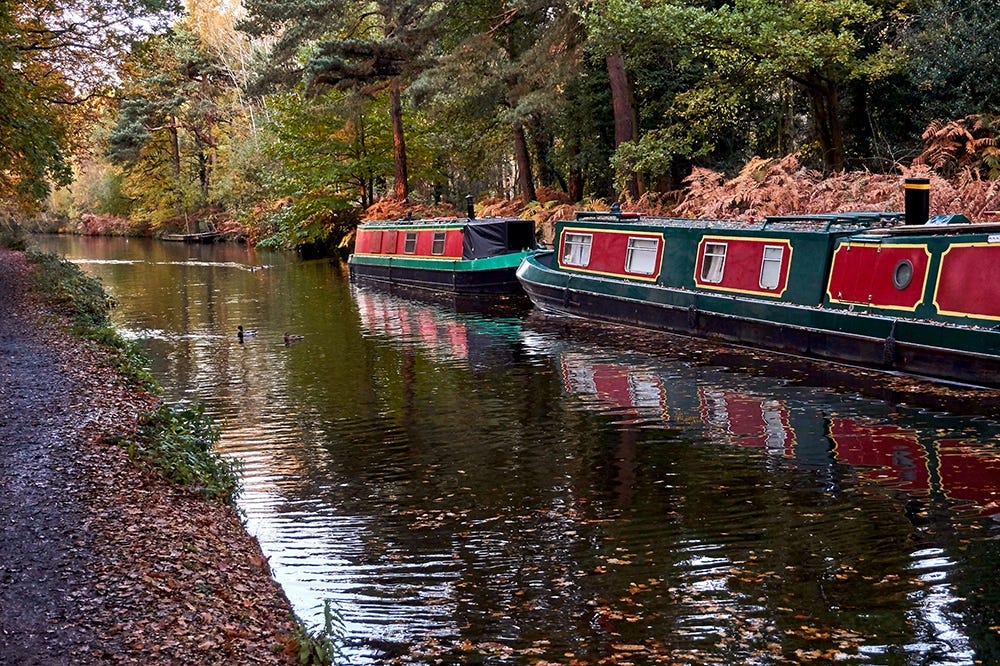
(849, 221)
(441, 221)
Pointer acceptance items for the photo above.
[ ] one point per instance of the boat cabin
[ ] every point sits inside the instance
(445, 238)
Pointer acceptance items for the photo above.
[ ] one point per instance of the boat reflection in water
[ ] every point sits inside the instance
(644, 391)
(920, 462)
(449, 330)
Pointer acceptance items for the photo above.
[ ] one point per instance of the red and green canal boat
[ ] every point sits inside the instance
(894, 291)
(445, 255)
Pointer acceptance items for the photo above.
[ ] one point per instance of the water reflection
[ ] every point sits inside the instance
(493, 485)
(466, 337)
(962, 466)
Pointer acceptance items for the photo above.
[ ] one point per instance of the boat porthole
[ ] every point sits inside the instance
(903, 274)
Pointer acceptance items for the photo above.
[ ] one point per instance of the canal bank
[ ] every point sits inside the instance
(101, 561)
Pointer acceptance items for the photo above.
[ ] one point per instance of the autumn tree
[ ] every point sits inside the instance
(165, 133)
(501, 65)
(54, 55)
(366, 47)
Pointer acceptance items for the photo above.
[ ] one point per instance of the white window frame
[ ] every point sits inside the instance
(576, 249)
(641, 259)
(713, 262)
(770, 266)
(410, 242)
(438, 242)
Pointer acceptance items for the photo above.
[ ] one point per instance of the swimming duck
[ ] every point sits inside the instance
(245, 333)
(289, 337)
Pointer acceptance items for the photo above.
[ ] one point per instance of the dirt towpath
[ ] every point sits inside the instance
(100, 561)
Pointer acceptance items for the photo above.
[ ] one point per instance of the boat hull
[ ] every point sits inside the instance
(931, 349)
(494, 275)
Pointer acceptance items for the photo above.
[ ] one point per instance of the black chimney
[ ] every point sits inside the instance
(471, 210)
(918, 200)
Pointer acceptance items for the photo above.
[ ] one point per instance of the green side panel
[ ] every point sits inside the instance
(460, 265)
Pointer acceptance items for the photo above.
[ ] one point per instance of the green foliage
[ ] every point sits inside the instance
(951, 49)
(737, 61)
(656, 151)
(322, 646)
(327, 151)
(179, 443)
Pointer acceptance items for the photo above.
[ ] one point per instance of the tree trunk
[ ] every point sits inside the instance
(175, 164)
(542, 145)
(401, 187)
(623, 105)
(204, 161)
(524, 179)
(826, 112)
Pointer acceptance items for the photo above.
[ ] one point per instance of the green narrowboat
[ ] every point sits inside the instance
(443, 255)
(894, 291)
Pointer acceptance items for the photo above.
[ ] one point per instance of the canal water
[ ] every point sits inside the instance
(487, 484)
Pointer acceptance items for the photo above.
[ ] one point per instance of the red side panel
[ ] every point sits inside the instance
(453, 244)
(969, 281)
(608, 252)
(425, 243)
(866, 274)
(368, 242)
(743, 264)
(389, 242)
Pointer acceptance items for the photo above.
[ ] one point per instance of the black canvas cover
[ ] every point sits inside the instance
(489, 238)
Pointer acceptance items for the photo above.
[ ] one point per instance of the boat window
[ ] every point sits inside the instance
(770, 267)
(903, 275)
(410, 244)
(576, 249)
(437, 246)
(641, 255)
(713, 262)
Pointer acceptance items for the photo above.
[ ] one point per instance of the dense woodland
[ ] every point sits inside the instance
(287, 122)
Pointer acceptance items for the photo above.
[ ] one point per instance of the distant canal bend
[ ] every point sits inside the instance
(504, 487)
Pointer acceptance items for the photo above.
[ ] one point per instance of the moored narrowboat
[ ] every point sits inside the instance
(894, 291)
(444, 255)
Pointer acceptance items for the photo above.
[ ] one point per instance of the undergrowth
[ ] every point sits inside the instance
(179, 442)
(73, 293)
(321, 646)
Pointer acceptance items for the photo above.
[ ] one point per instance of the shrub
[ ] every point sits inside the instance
(179, 443)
